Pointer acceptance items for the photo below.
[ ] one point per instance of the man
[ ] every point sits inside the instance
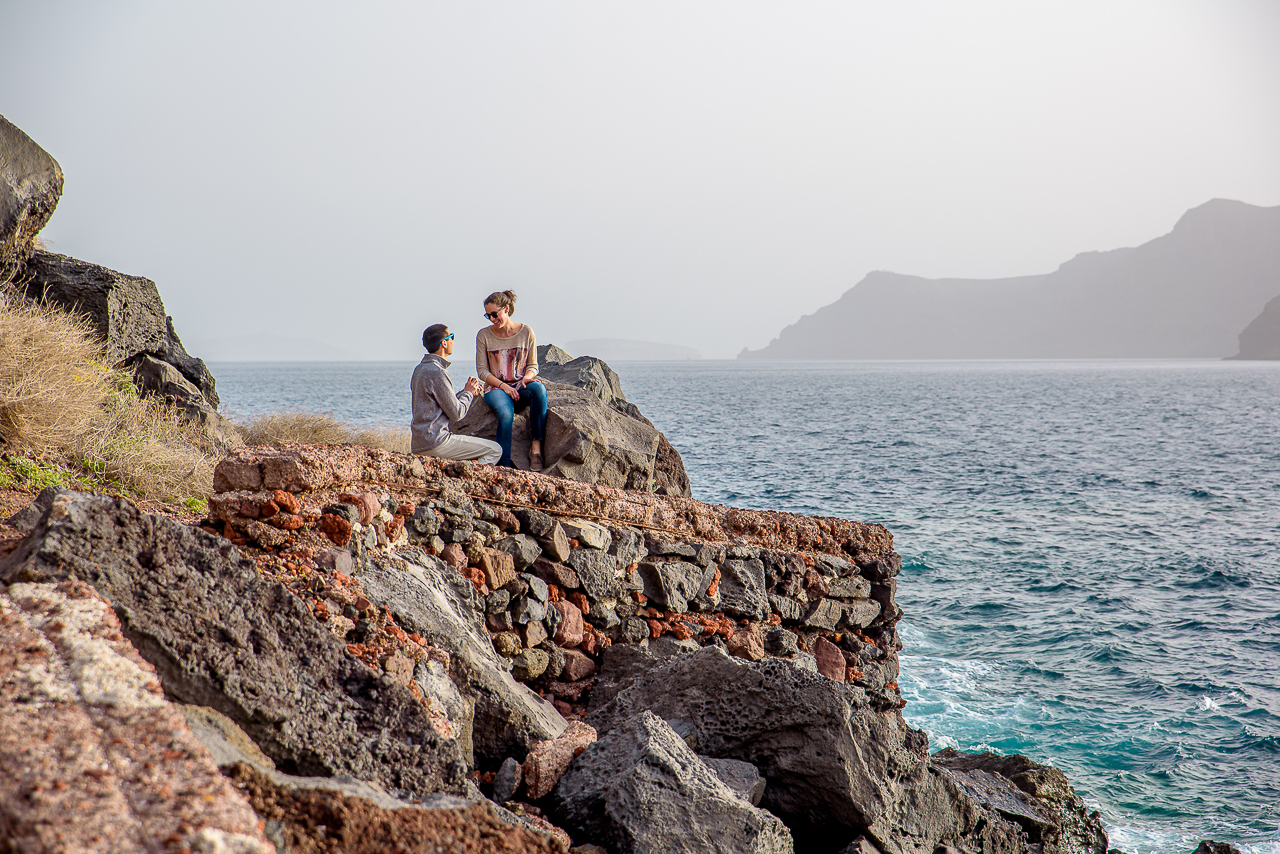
(435, 404)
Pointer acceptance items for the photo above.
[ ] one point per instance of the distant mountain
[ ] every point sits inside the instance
(1261, 338)
(1187, 294)
(620, 350)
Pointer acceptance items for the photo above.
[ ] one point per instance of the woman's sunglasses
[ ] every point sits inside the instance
(492, 315)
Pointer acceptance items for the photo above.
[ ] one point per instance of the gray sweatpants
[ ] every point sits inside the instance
(466, 448)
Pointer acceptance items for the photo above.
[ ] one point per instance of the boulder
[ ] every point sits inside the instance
(163, 380)
(125, 311)
(30, 186)
(1040, 799)
(220, 635)
(641, 789)
(312, 815)
(93, 753)
(585, 440)
(743, 777)
(742, 589)
(437, 603)
(587, 373)
(595, 376)
(838, 770)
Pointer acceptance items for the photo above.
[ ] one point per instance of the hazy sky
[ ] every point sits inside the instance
(696, 173)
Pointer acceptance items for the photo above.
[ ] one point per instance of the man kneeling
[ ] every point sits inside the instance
(435, 405)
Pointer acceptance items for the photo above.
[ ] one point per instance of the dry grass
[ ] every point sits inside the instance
(74, 420)
(58, 399)
(311, 428)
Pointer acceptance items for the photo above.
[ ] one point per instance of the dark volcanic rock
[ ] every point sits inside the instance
(221, 636)
(824, 751)
(442, 606)
(585, 439)
(1040, 801)
(641, 789)
(594, 376)
(30, 186)
(838, 769)
(126, 311)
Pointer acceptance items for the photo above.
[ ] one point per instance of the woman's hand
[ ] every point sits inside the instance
(512, 392)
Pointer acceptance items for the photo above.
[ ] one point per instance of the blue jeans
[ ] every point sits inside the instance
(534, 396)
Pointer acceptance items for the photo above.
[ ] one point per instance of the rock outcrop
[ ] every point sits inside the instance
(1261, 338)
(593, 434)
(595, 375)
(221, 636)
(651, 672)
(129, 317)
(30, 186)
(641, 789)
(85, 732)
(125, 311)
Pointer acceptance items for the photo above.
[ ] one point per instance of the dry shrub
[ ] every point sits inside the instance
(312, 428)
(384, 436)
(56, 396)
(51, 380)
(305, 428)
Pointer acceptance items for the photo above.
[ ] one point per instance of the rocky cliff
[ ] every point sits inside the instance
(1187, 294)
(579, 664)
(1261, 338)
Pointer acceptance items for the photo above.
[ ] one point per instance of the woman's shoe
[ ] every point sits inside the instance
(535, 461)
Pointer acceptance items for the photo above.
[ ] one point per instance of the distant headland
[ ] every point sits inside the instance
(1188, 294)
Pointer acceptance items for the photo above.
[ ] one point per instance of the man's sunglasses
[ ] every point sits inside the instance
(448, 337)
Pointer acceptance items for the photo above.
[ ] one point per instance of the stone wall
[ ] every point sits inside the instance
(563, 570)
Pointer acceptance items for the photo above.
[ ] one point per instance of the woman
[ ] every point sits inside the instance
(507, 362)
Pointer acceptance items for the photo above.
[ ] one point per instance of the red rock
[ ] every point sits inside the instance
(264, 511)
(366, 504)
(476, 577)
(815, 585)
(454, 556)
(286, 501)
(581, 600)
(715, 583)
(399, 667)
(592, 643)
(563, 708)
(405, 510)
(681, 630)
(569, 632)
(748, 642)
(548, 760)
(577, 665)
(830, 660)
(286, 521)
(336, 529)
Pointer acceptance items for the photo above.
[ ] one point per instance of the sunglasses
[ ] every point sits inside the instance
(492, 315)
(448, 337)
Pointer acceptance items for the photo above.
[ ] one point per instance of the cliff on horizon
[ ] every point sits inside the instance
(1187, 294)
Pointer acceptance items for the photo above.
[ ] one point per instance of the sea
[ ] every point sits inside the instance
(1091, 549)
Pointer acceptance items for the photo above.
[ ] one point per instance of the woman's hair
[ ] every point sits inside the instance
(502, 299)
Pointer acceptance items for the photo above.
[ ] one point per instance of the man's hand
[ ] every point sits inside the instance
(474, 386)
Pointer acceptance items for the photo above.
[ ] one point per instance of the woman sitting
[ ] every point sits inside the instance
(507, 362)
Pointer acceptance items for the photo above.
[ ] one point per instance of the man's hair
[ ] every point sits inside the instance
(433, 336)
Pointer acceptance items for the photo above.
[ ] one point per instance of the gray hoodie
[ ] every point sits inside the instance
(434, 403)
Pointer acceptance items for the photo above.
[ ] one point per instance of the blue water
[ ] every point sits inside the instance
(1091, 549)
